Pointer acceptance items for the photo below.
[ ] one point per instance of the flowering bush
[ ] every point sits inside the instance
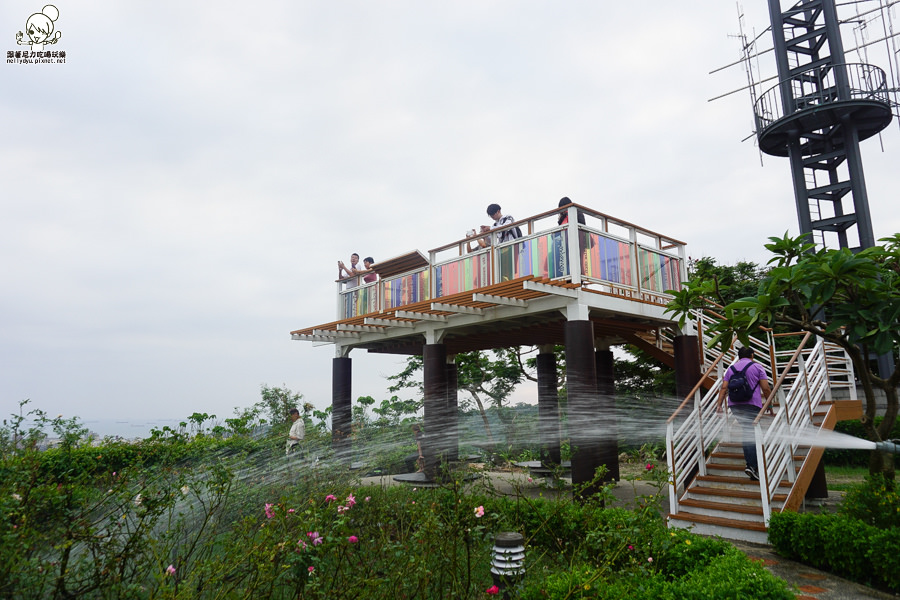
(876, 501)
(193, 524)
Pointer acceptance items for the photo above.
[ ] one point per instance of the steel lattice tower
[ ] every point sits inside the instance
(816, 115)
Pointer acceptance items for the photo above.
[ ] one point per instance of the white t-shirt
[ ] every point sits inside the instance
(503, 236)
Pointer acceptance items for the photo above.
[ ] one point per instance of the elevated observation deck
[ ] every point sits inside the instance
(821, 97)
(519, 292)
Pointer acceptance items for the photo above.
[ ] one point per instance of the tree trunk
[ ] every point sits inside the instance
(484, 417)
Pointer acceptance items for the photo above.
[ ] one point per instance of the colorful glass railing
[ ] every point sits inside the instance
(541, 255)
(406, 289)
(605, 258)
(462, 275)
(659, 272)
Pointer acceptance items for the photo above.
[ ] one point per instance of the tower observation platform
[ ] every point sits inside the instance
(589, 283)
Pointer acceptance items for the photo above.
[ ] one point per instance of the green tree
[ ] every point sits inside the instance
(277, 401)
(852, 300)
(487, 378)
(730, 282)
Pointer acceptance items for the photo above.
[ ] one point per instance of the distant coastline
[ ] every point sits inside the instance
(128, 429)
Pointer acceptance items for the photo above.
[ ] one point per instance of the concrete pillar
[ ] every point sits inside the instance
(687, 364)
(434, 444)
(581, 386)
(606, 408)
(341, 410)
(548, 408)
(452, 412)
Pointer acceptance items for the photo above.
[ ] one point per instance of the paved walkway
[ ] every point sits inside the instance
(810, 583)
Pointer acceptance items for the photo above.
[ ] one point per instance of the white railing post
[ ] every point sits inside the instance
(670, 459)
(574, 253)
(763, 474)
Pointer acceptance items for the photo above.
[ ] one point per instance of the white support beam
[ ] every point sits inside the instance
(422, 316)
(321, 339)
(537, 286)
(388, 322)
(499, 300)
(456, 308)
(335, 334)
(360, 328)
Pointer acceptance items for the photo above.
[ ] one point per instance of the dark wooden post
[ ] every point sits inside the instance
(606, 409)
(452, 412)
(687, 364)
(434, 444)
(341, 408)
(548, 408)
(581, 386)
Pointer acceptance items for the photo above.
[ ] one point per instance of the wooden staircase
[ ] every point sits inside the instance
(709, 491)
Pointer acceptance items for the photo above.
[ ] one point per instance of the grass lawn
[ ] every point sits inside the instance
(841, 478)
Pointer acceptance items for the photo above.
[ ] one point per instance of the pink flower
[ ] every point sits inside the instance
(530, 480)
(330, 498)
(342, 509)
(302, 544)
(368, 498)
(350, 500)
(630, 547)
(649, 467)
(649, 559)
(315, 537)
(290, 510)
(352, 539)
(493, 590)
(170, 570)
(269, 512)
(310, 569)
(479, 512)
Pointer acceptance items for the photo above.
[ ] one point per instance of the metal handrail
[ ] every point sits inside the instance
(817, 86)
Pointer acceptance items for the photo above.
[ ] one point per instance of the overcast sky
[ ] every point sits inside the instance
(175, 196)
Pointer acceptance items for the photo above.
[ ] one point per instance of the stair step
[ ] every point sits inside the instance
(720, 521)
(738, 480)
(722, 506)
(733, 493)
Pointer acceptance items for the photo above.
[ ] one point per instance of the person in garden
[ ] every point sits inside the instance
(297, 432)
(745, 402)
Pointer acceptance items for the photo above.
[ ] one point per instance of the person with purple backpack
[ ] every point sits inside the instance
(746, 385)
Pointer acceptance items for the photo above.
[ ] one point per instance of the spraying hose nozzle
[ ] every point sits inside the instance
(888, 446)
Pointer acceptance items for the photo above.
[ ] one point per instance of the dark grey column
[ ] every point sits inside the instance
(452, 412)
(434, 444)
(606, 408)
(581, 386)
(548, 408)
(341, 411)
(687, 364)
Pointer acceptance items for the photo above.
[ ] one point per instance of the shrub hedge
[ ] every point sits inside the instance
(839, 544)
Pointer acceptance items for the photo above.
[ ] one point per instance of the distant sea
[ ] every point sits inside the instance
(128, 429)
